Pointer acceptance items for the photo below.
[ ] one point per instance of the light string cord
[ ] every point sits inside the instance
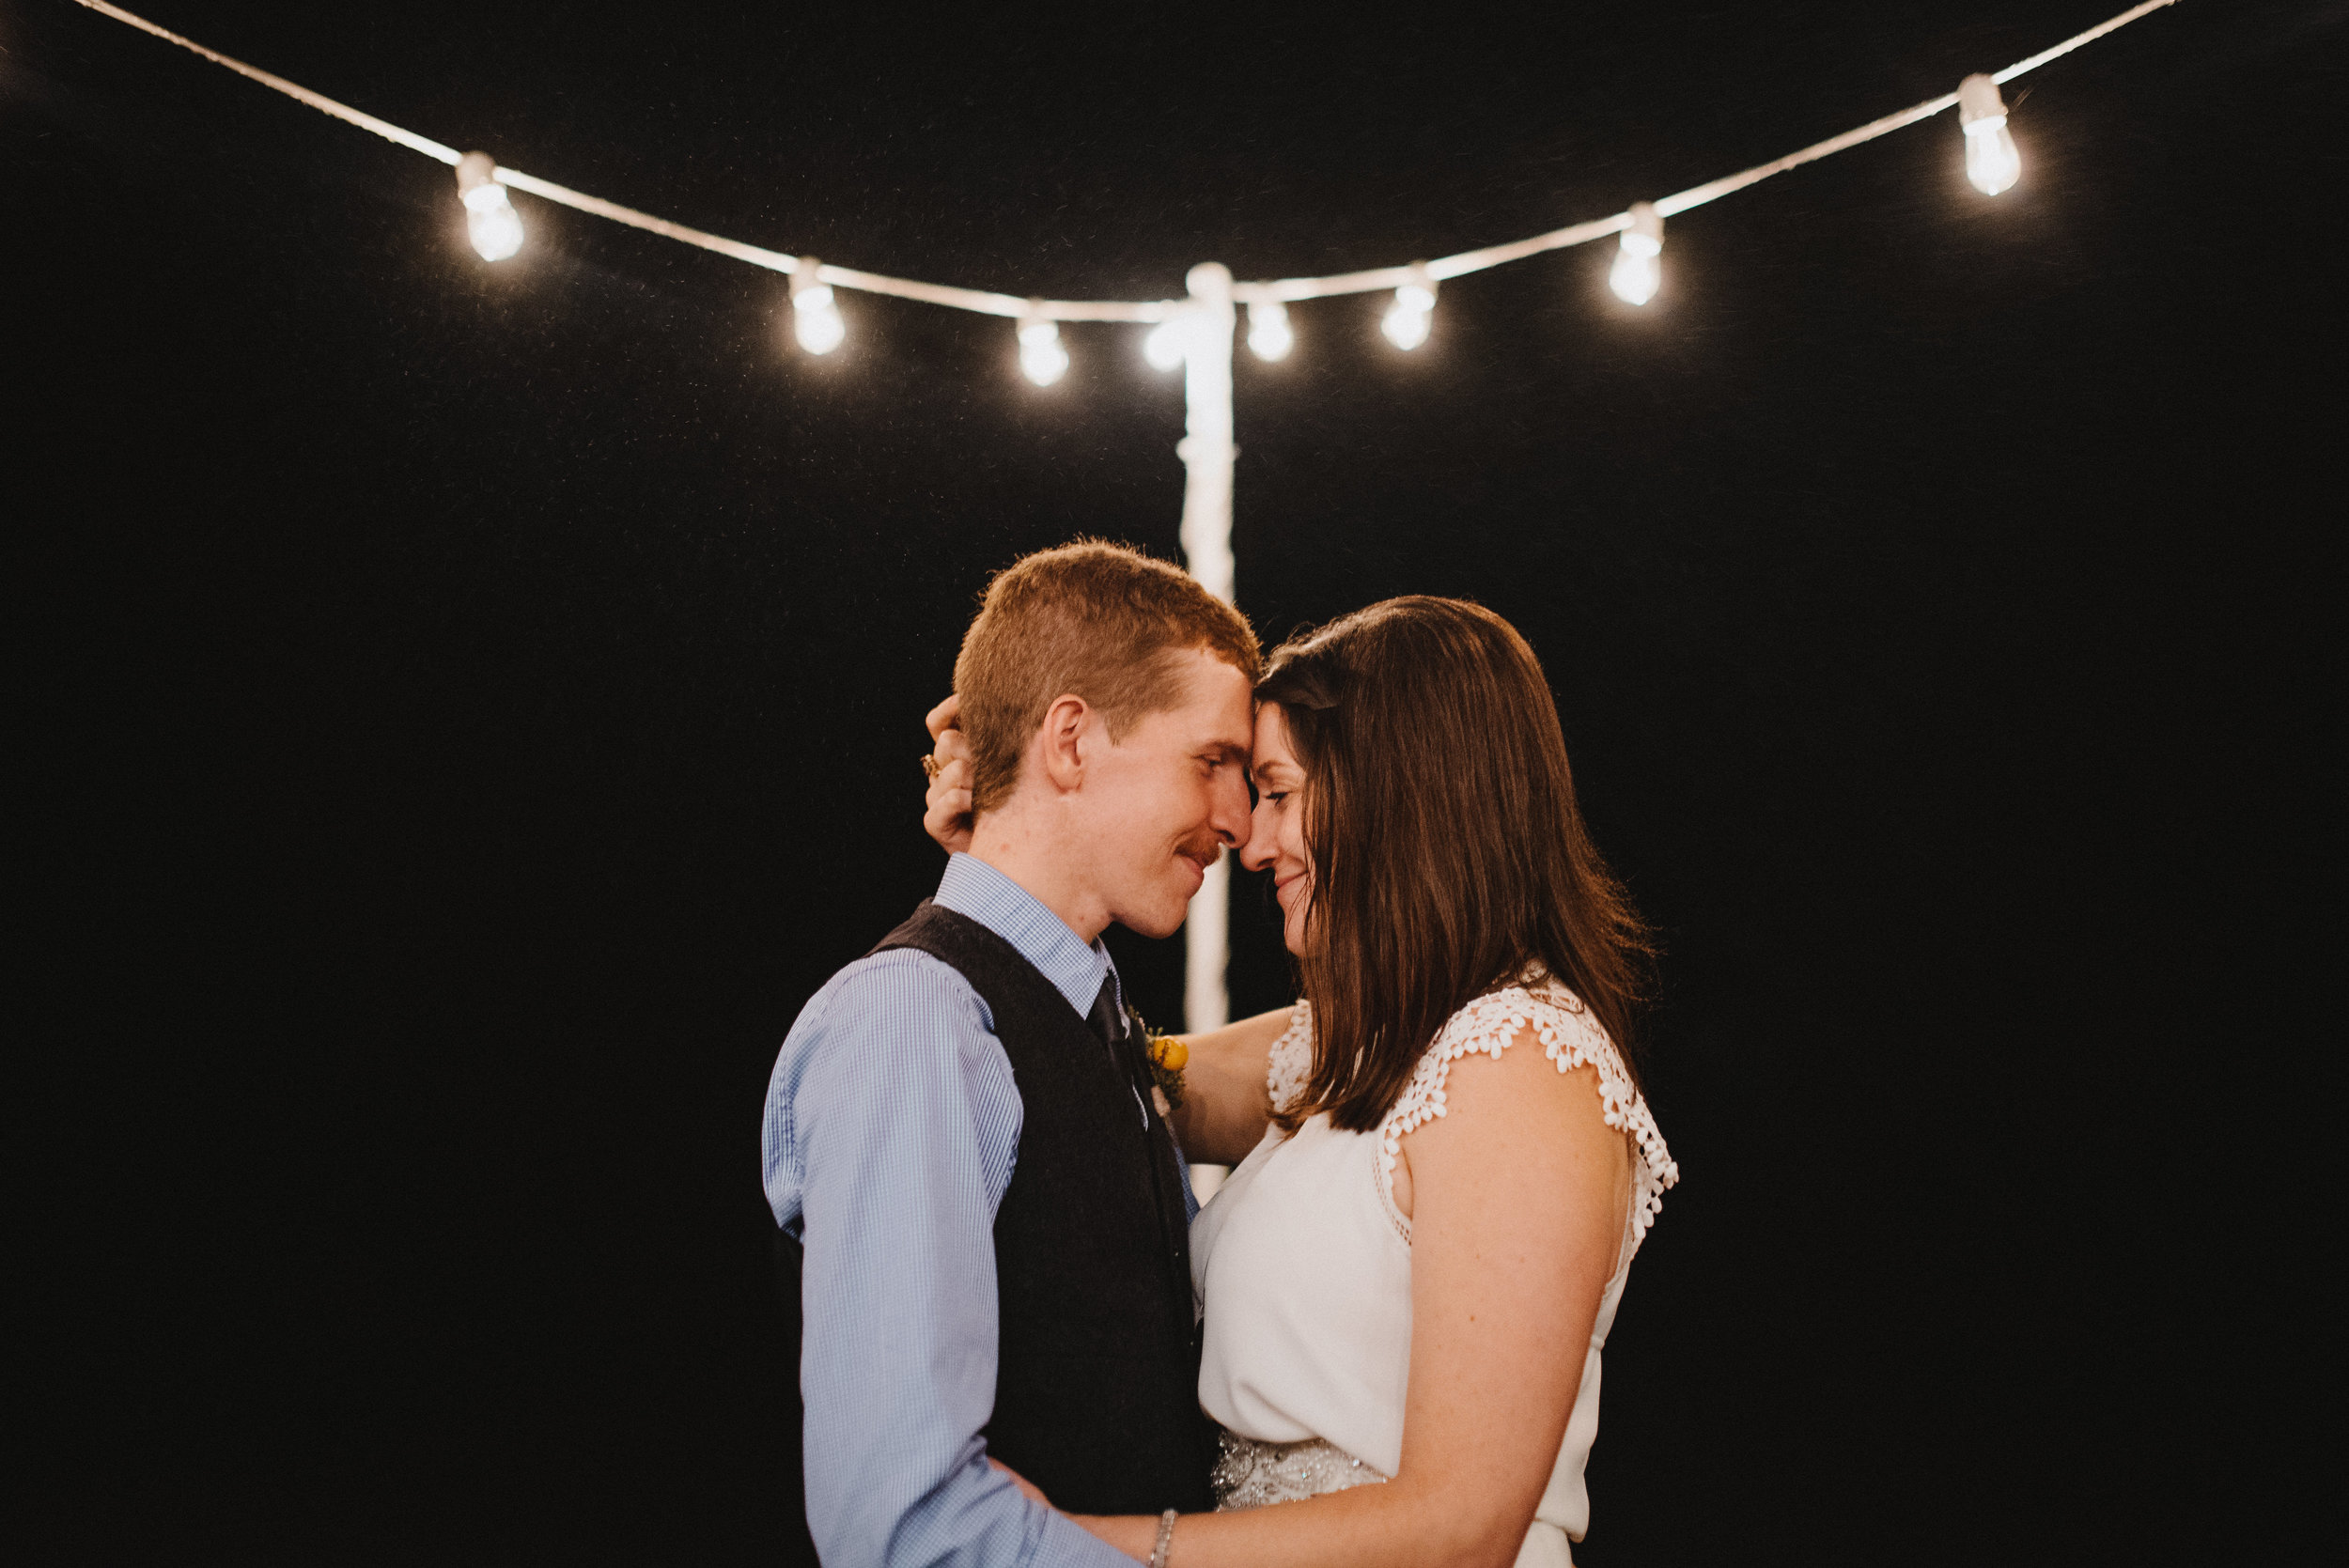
(991, 303)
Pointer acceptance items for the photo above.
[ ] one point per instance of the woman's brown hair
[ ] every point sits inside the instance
(1447, 849)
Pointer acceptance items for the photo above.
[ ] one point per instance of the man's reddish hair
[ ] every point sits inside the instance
(1101, 621)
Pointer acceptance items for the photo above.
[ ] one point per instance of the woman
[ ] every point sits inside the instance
(1444, 1164)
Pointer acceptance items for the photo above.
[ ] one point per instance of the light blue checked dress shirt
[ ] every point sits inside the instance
(892, 1130)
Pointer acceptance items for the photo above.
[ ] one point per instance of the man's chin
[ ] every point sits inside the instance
(1158, 921)
(1155, 924)
(1155, 931)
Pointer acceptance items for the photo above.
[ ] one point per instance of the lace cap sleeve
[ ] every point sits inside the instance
(1571, 1038)
(1291, 1061)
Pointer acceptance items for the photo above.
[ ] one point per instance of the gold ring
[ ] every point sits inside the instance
(931, 766)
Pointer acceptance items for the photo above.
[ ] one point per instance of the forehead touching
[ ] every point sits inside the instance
(1214, 710)
(1273, 758)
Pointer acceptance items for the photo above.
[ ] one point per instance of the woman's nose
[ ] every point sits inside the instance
(1255, 850)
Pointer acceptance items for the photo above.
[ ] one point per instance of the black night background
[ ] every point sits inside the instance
(462, 711)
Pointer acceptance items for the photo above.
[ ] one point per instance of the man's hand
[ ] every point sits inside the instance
(946, 809)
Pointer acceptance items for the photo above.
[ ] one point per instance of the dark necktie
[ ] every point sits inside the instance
(1109, 1022)
(1108, 1019)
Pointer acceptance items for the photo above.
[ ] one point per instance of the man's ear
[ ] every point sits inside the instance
(1057, 740)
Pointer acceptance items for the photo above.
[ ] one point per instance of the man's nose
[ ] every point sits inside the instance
(1230, 817)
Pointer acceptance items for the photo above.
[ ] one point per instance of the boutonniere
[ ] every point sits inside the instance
(1167, 1058)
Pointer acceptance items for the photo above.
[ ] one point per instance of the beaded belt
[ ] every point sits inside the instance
(1250, 1474)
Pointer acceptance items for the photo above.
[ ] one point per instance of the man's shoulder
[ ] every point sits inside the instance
(896, 979)
(900, 988)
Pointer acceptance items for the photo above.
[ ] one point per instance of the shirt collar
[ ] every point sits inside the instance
(974, 888)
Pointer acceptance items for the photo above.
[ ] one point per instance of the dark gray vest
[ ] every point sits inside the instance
(1096, 1379)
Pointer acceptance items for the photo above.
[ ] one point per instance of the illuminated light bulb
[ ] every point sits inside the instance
(815, 314)
(1638, 270)
(1414, 308)
(817, 324)
(1164, 347)
(1268, 332)
(1041, 357)
(491, 221)
(1991, 162)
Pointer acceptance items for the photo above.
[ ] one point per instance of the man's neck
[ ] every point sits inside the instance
(1046, 868)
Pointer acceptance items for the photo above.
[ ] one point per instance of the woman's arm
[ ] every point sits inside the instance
(1517, 1198)
(1225, 1104)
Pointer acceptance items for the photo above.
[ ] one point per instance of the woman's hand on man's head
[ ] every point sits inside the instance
(946, 808)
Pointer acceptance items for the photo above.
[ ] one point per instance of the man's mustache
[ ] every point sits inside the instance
(1207, 852)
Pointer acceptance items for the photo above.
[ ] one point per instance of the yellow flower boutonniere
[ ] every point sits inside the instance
(1167, 1057)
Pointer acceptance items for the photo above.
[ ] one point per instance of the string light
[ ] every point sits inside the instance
(1414, 308)
(491, 221)
(815, 314)
(1637, 271)
(1268, 334)
(1163, 346)
(1991, 162)
(1041, 356)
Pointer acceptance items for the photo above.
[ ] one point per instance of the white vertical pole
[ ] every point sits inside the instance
(1207, 451)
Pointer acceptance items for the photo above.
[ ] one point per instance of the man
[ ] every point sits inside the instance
(986, 1219)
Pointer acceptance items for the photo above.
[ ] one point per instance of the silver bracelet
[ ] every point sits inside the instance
(1166, 1539)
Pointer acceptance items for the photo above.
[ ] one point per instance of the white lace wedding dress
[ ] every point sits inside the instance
(1304, 1265)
